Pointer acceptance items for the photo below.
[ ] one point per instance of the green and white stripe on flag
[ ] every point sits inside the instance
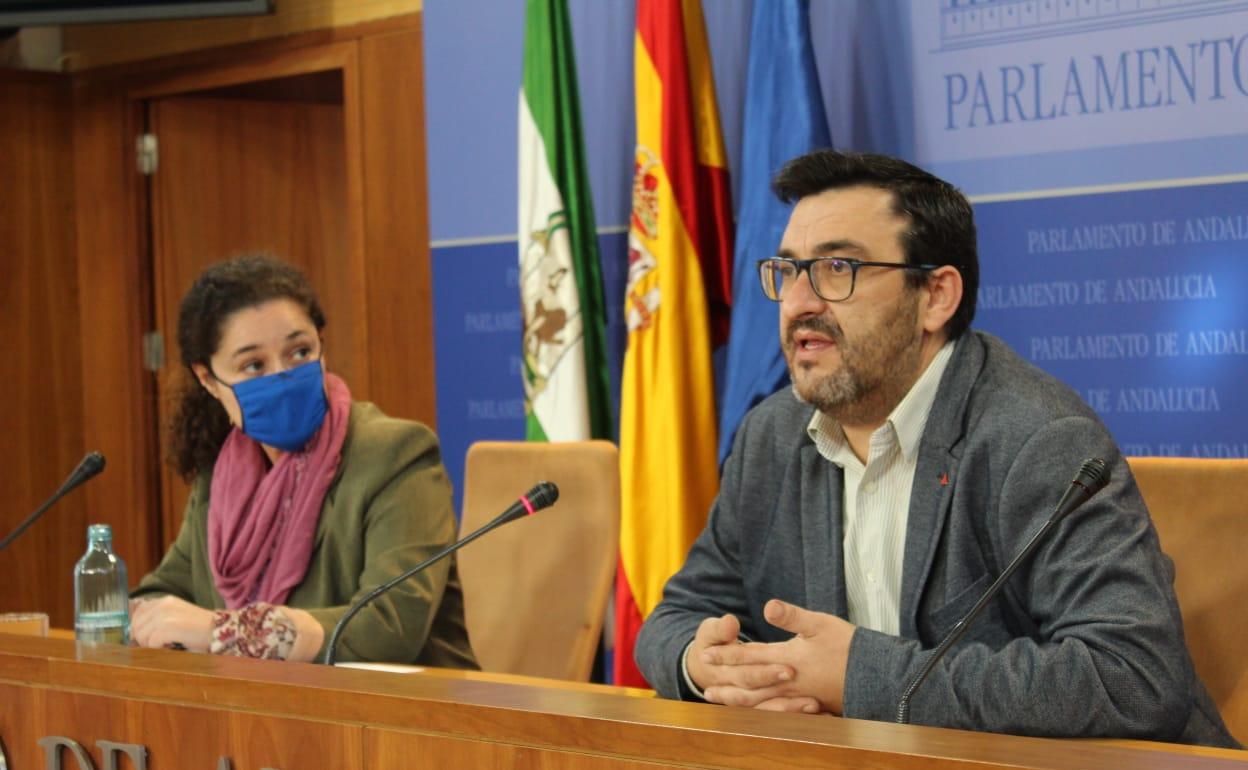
(564, 343)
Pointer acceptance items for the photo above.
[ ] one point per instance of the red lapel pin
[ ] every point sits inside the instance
(944, 479)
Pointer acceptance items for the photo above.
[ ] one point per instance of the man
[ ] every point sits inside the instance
(863, 513)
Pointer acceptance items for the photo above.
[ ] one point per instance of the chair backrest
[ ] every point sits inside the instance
(536, 589)
(1200, 508)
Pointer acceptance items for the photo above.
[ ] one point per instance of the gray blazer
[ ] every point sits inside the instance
(1085, 639)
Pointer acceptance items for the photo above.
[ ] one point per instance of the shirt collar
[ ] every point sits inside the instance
(830, 439)
(907, 420)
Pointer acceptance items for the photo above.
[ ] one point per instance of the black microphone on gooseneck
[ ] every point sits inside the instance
(1092, 477)
(90, 466)
(542, 495)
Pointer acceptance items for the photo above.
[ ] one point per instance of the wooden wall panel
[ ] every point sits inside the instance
(115, 306)
(95, 45)
(76, 282)
(41, 421)
(400, 297)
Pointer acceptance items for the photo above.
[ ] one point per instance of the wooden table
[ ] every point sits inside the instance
(190, 710)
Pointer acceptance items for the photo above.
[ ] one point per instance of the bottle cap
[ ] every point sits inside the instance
(99, 532)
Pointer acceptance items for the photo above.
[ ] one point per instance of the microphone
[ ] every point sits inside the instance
(542, 495)
(1092, 477)
(90, 466)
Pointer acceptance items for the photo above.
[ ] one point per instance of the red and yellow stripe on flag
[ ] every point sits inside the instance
(676, 306)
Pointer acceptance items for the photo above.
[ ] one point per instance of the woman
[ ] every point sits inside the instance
(302, 500)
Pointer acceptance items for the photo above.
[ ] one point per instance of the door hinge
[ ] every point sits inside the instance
(148, 154)
(153, 351)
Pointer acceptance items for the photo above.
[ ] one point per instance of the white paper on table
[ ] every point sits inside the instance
(394, 668)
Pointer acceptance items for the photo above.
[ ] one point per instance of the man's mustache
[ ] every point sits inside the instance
(817, 324)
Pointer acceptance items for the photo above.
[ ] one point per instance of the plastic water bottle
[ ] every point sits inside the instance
(101, 604)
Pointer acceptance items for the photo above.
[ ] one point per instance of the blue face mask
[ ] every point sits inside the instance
(285, 409)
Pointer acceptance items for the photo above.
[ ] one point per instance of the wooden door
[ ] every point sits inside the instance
(239, 175)
(40, 350)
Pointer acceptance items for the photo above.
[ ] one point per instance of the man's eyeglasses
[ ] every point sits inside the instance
(832, 278)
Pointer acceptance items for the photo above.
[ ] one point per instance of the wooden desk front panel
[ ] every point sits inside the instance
(189, 710)
(176, 737)
(397, 749)
(186, 737)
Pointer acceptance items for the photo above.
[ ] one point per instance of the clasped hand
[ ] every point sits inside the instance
(804, 674)
(168, 621)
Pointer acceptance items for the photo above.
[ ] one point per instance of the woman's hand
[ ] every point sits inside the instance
(309, 635)
(168, 622)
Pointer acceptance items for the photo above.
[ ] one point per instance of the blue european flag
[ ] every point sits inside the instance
(784, 118)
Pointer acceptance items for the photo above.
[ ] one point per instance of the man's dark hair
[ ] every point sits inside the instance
(941, 225)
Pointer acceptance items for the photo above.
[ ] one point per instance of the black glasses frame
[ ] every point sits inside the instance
(807, 264)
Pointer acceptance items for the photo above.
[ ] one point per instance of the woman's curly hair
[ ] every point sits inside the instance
(199, 424)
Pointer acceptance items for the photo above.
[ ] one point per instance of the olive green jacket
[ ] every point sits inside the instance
(388, 509)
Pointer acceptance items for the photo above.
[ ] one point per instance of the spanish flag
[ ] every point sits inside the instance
(676, 306)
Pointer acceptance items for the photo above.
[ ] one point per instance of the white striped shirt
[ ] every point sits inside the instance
(876, 502)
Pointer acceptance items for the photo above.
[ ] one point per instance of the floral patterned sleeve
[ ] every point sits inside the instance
(256, 631)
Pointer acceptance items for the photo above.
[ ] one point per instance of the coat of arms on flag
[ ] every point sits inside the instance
(642, 301)
(552, 321)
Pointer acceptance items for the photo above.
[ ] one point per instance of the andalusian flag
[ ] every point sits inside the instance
(565, 369)
(676, 305)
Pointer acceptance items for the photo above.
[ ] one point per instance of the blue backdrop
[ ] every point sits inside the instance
(1103, 142)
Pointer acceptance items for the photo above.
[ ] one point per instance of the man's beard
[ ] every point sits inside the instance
(875, 371)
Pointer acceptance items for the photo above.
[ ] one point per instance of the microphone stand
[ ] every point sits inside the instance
(541, 496)
(1092, 477)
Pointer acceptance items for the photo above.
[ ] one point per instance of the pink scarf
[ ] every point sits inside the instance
(262, 521)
